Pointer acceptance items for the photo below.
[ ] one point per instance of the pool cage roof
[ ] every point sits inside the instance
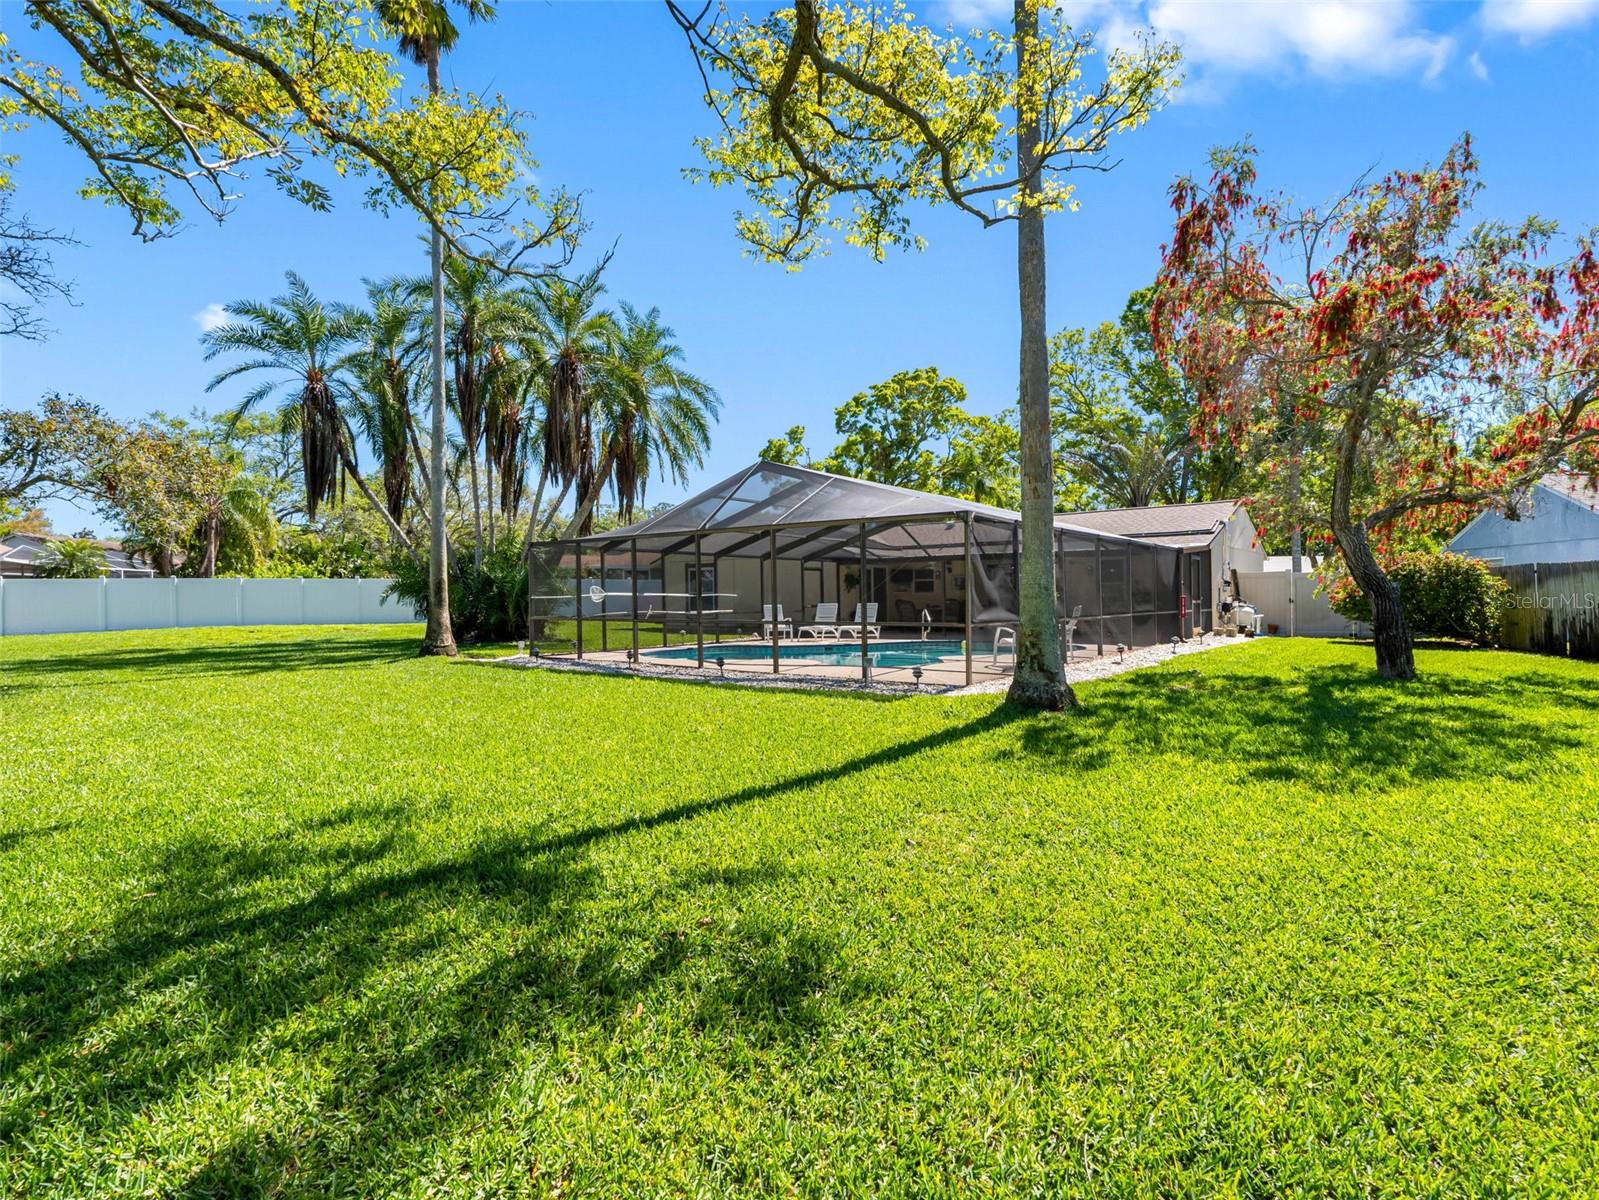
(817, 516)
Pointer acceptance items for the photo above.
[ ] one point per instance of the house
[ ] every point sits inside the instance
(930, 566)
(20, 554)
(1558, 522)
(1217, 537)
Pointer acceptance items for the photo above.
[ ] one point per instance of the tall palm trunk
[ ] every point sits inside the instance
(582, 523)
(440, 638)
(477, 508)
(1038, 681)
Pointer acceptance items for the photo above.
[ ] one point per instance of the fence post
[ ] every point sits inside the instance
(302, 600)
(2, 608)
(103, 624)
(173, 605)
(238, 603)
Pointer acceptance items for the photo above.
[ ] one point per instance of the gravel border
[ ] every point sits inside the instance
(1080, 671)
(1084, 669)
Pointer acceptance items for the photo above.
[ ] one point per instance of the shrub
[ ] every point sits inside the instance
(486, 605)
(1447, 595)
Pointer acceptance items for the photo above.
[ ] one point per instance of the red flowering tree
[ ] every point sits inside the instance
(1388, 367)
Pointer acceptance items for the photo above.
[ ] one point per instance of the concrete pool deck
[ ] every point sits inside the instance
(944, 677)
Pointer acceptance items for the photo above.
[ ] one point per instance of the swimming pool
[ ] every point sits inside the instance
(827, 654)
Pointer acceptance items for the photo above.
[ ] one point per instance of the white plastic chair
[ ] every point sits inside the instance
(826, 624)
(1003, 636)
(785, 627)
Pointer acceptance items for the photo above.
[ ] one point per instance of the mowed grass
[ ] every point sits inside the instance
(293, 913)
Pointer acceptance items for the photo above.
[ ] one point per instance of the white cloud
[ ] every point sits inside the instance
(210, 317)
(1331, 38)
(1478, 67)
(1533, 19)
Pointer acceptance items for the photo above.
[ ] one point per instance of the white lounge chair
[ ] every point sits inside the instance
(785, 627)
(826, 624)
(873, 629)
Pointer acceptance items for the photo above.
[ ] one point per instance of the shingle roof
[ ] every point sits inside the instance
(1573, 487)
(1171, 524)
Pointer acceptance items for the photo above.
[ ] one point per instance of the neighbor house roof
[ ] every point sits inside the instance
(20, 551)
(1183, 525)
(1573, 487)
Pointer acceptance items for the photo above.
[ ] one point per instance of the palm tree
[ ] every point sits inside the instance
(72, 558)
(299, 339)
(236, 523)
(426, 33)
(654, 417)
(484, 317)
(384, 369)
(1130, 467)
(581, 340)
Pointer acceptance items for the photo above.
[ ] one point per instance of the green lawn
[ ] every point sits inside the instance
(293, 913)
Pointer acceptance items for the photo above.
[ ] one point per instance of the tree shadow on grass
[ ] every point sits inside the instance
(407, 981)
(1338, 727)
(139, 664)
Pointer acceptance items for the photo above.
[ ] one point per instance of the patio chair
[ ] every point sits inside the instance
(853, 630)
(1068, 630)
(785, 627)
(826, 624)
(1003, 636)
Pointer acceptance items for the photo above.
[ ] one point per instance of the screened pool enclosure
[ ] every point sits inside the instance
(782, 568)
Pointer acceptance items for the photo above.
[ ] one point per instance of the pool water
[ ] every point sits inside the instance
(827, 654)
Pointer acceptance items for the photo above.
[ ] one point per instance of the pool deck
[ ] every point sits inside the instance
(947, 677)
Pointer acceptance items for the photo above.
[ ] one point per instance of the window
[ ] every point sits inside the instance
(706, 590)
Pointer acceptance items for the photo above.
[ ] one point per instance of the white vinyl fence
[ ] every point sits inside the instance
(1292, 603)
(87, 605)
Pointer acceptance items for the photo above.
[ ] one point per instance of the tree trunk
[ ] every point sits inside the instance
(353, 470)
(211, 540)
(533, 514)
(477, 509)
(439, 638)
(585, 508)
(1396, 657)
(488, 488)
(1039, 680)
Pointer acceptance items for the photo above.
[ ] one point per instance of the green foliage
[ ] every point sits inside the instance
(54, 450)
(788, 449)
(1123, 419)
(893, 431)
(72, 558)
(1253, 923)
(844, 117)
(347, 542)
(912, 431)
(285, 85)
(1448, 595)
(488, 602)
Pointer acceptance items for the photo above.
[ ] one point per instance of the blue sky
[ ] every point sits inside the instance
(1326, 88)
